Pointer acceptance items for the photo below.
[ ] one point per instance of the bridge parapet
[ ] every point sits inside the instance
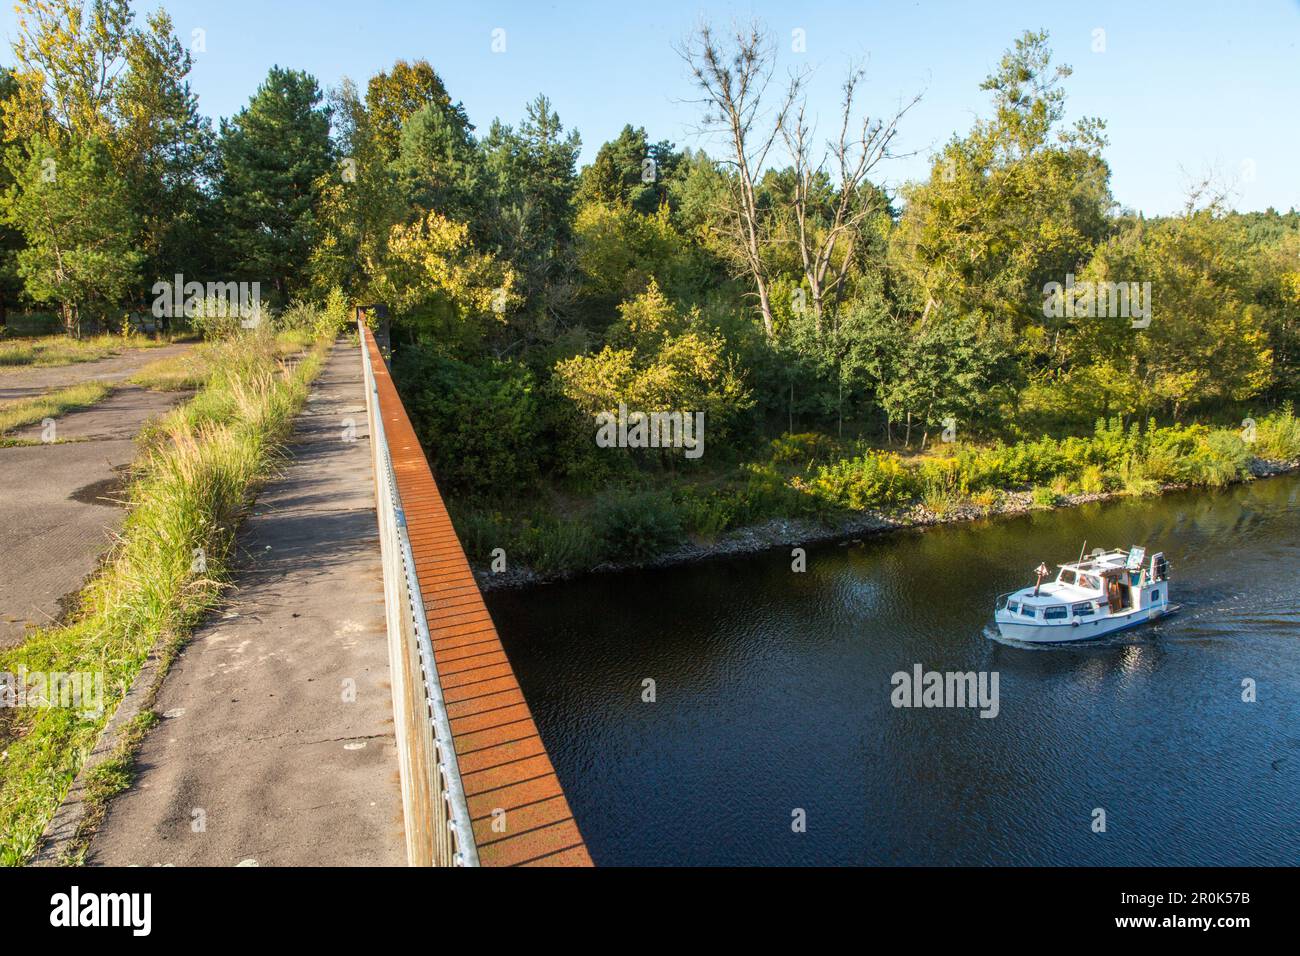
(477, 785)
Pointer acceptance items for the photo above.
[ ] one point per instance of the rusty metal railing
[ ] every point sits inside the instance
(438, 828)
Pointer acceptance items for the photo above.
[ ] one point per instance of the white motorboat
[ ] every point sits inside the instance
(1107, 592)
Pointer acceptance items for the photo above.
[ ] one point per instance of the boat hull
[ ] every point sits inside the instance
(1084, 630)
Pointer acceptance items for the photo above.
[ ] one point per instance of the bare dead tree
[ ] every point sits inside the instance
(826, 247)
(733, 76)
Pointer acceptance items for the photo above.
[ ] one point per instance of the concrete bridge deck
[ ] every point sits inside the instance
(276, 745)
(278, 742)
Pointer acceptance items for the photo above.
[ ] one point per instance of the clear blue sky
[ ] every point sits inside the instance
(1184, 87)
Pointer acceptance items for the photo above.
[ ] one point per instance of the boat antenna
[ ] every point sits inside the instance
(1081, 550)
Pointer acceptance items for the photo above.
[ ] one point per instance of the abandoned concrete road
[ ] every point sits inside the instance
(26, 382)
(60, 504)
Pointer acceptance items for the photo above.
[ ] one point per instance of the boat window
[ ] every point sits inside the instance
(1056, 613)
(1067, 577)
(1027, 611)
(1013, 606)
(1082, 609)
(1155, 594)
(1088, 581)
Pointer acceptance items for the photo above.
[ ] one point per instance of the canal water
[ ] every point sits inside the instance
(772, 699)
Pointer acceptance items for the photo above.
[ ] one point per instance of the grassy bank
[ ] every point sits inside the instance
(50, 350)
(812, 478)
(193, 368)
(28, 411)
(192, 483)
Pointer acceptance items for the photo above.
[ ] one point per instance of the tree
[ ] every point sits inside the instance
(630, 170)
(393, 97)
(404, 150)
(76, 218)
(733, 80)
(438, 166)
(658, 359)
(620, 250)
(166, 152)
(433, 274)
(832, 210)
(529, 186)
(11, 239)
(936, 367)
(273, 155)
(70, 59)
(1203, 345)
(358, 202)
(84, 72)
(1007, 210)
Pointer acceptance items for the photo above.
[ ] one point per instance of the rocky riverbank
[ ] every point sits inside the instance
(793, 532)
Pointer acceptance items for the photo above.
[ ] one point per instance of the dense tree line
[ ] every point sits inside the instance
(771, 282)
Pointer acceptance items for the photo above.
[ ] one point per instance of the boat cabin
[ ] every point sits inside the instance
(1107, 583)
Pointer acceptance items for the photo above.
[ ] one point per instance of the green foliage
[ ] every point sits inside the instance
(1044, 496)
(802, 449)
(75, 216)
(630, 171)
(659, 360)
(273, 154)
(637, 525)
(1277, 437)
(872, 480)
(324, 321)
(478, 422)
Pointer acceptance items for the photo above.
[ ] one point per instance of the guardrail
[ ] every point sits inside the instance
(438, 825)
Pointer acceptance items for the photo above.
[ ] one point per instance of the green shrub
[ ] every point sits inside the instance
(1134, 480)
(1277, 437)
(478, 423)
(707, 514)
(636, 526)
(1221, 458)
(217, 320)
(874, 480)
(1045, 497)
(549, 543)
(1092, 480)
(802, 449)
(297, 316)
(480, 531)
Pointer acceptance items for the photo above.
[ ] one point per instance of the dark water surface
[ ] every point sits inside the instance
(773, 693)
